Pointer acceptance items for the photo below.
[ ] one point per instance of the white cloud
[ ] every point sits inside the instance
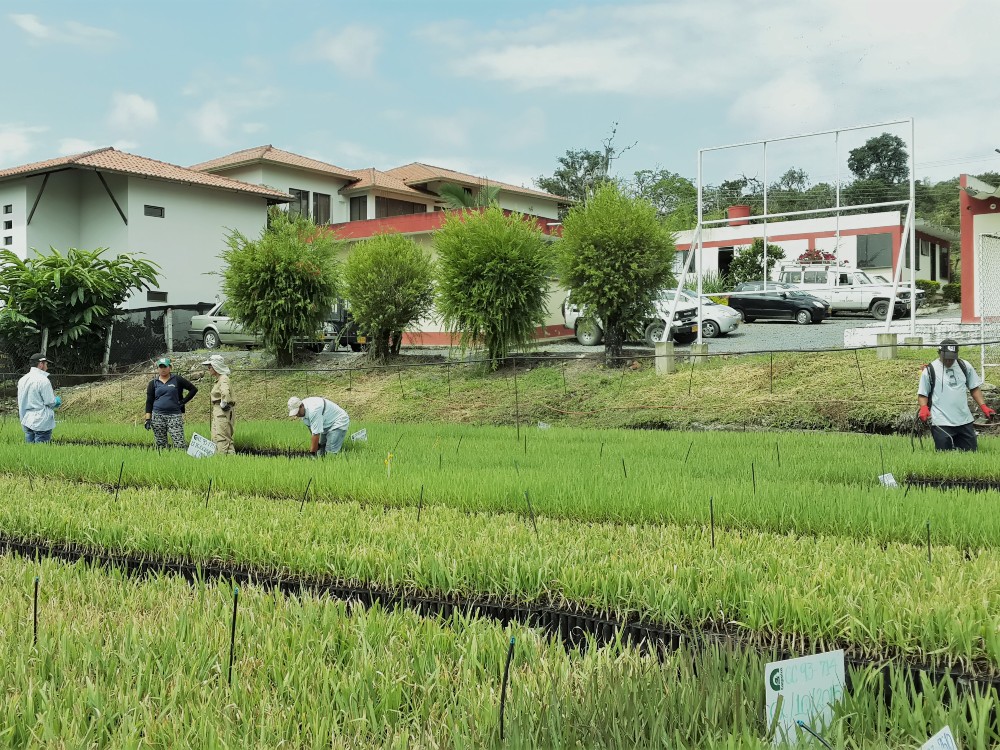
(791, 103)
(353, 49)
(212, 122)
(252, 127)
(70, 32)
(69, 146)
(16, 142)
(130, 112)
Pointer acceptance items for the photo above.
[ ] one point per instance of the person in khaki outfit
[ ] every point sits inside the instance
(222, 406)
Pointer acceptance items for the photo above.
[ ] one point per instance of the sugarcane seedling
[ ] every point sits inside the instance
(503, 685)
(531, 511)
(34, 637)
(208, 494)
(119, 485)
(305, 495)
(690, 446)
(232, 633)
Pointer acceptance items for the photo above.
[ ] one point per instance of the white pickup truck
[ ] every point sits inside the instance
(590, 332)
(848, 289)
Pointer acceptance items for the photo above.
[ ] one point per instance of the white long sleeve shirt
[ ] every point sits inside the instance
(323, 415)
(36, 401)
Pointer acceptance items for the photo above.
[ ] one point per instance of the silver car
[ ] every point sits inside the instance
(716, 319)
(215, 328)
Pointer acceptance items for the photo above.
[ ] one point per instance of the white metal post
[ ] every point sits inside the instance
(913, 233)
(698, 260)
(765, 216)
(836, 152)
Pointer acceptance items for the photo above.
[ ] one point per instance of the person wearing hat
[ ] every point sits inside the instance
(327, 422)
(36, 402)
(166, 396)
(222, 406)
(943, 399)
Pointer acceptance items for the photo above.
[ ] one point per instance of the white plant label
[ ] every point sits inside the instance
(360, 435)
(544, 425)
(201, 447)
(809, 686)
(888, 480)
(943, 740)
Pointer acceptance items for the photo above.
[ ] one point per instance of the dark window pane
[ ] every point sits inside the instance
(875, 251)
(321, 208)
(154, 211)
(359, 208)
(300, 205)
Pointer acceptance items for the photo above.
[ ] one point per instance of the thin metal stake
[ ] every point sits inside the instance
(822, 741)
(621, 380)
(753, 475)
(503, 686)
(459, 444)
(881, 456)
(119, 485)
(777, 450)
(420, 504)
(449, 380)
(517, 404)
(690, 446)
(602, 450)
(691, 377)
(209, 493)
(526, 444)
(861, 376)
(772, 372)
(565, 389)
(232, 633)
(397, 444)
(711, 514)
(34, 640)
(624, 471)
(401, 391)
(305, 495)
(928, 541)
(531, 510)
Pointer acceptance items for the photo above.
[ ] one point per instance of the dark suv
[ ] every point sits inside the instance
(777, 300)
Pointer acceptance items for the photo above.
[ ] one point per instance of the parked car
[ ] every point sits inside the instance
(589, 331)
(778, 300)
(716, 319)
(848, 289)
(216, 328)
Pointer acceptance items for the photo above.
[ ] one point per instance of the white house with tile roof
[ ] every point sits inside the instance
(174, 216)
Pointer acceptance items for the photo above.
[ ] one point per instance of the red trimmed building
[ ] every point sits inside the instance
(980, 210)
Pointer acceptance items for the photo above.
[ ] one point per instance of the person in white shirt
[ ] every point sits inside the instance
(327, 422)
(943, 397)
(36, 402)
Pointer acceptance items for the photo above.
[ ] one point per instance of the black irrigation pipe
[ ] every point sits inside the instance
(573, 626)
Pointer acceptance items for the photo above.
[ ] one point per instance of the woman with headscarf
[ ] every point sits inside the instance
(222, 406)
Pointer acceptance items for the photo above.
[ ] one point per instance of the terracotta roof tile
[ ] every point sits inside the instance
(418, 173)
(275, 155)
(374, 178)
(112, 160)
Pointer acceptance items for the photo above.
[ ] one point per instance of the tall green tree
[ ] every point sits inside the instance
(615, 256)
(582, 171)
(674, 197)
(72, 295)
(493, 276)
(389, 281)
(283, 283)
(883, 158)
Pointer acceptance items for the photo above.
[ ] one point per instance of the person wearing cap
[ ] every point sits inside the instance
(222, 406)
(166, 396)
(943, 397)
(36, 402)
(327, 422)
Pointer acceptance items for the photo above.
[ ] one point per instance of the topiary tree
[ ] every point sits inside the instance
(389, 282)
(615, 256)
(493, 273)
(748, 265)
(72, 295)
(283, 284)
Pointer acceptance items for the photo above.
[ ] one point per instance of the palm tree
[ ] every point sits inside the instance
(457, 196)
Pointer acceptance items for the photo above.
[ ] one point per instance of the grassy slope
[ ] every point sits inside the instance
(809, 391)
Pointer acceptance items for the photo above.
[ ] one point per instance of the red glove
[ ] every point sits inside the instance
(987, 411)
(924, 413)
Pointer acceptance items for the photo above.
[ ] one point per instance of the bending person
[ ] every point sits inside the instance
(223, 420)
(327, 422)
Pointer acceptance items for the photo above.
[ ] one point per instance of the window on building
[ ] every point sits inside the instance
(8, 225)
(9, 208)
(385, 207)
(359, 208)
(925, 247)
(321, 208)
(8, 240)
(875, 250)
(155, 211)
(300, 203)
(152, 296)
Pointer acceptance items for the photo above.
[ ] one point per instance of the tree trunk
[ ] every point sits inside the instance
(614, 340)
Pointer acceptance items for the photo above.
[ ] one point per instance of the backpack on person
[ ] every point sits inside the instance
(932, 377)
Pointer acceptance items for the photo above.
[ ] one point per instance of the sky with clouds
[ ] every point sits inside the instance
(502, 89)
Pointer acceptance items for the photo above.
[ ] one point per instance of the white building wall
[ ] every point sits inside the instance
(56, 222)
(13, 194)
(528, 204)
(187, 242)
(100, 223)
